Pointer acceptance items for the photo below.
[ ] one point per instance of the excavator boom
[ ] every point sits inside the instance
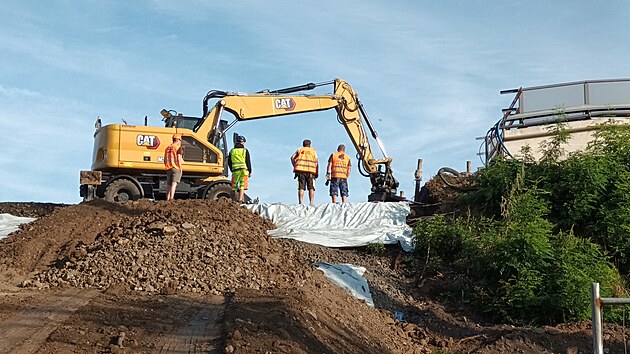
(344, 100)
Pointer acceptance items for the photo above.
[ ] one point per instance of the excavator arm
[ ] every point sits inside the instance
(344, 100)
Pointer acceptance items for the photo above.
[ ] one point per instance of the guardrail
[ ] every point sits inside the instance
(543, 105)
(596, 304)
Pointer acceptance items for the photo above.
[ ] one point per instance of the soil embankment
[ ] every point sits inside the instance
(203, 276)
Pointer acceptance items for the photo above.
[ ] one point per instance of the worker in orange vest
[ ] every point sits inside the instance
(337, 173)
(173, 159)
(306, 168)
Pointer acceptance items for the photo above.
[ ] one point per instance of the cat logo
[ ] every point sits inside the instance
(288, 104)
(152, 142)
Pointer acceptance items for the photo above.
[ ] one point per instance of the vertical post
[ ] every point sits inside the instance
(418, 176)
(598, 345)
(468, 167)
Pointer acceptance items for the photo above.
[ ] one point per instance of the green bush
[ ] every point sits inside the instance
(444, 241)
(494, 182)
(517, 263)
(375, 248)
(577, 263)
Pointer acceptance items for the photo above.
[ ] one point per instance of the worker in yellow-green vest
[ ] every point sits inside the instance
(306, 169)
(240, 166)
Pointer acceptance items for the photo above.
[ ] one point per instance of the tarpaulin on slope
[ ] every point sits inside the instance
(349, 277)
(10, 223)
(340, 225)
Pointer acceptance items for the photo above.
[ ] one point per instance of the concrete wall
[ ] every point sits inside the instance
(580, 136)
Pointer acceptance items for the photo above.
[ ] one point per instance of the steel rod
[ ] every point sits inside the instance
(598, 345)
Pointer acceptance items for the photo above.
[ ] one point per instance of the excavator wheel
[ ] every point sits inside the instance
(122, 190)
(219, 191)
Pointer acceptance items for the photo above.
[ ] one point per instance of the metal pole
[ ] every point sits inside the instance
(598, 345)
(418, 177)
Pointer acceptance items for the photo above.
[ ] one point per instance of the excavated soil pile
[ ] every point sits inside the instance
(31, 210)
(316, 318)
(194, 246)
(158, 263)
(444, 199)
(56, 231)
(277, 301)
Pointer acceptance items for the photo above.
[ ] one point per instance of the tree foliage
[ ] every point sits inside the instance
(538, 233)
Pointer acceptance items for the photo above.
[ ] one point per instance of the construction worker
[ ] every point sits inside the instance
(306, 168)
(173, 159)
(337, 173)
(240, 166)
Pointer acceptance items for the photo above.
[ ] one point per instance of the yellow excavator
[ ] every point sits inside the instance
(128, 160)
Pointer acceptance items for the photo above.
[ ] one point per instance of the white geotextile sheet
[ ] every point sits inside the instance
(349, 277)
(10, 223)
(340, 225)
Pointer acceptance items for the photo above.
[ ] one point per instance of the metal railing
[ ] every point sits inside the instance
(542, 105)
(596, 305)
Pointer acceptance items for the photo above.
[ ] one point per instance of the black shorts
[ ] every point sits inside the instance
(305, 180)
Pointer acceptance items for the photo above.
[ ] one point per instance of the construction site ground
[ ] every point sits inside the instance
(203, 277)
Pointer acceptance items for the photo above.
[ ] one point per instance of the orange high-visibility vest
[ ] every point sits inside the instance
(171, 160)
(340, 164)
(306, 160)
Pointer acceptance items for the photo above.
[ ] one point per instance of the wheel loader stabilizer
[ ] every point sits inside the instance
(135, 154)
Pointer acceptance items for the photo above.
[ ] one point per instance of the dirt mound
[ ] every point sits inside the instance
(317, 318)
(196, 246)
(36, 245)
(157, 262)
(31, 210)
(204, 247)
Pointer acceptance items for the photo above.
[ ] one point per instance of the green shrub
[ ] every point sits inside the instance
(516, 265)
(444, 241)
(577, 263)
(494, 182)
(375, 248)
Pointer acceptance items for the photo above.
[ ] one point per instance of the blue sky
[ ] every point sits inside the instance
(428, 73)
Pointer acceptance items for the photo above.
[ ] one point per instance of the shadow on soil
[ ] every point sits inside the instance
(155, 323)
(270, 324)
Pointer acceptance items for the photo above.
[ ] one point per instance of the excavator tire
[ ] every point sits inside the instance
(122, 190)
(219, 191)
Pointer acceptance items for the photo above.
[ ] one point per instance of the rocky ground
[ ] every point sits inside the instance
(202, 276)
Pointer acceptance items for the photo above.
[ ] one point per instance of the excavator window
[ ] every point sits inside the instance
(197, 152)
(183, 122)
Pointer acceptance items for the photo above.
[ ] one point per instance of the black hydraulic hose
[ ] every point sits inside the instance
(304, 87)
(360, 167)
(210, 95)
(458, 176)
(500, 137)
(367, 119)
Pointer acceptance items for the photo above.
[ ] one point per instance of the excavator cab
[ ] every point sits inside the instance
(172, 119)
(219, 140)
